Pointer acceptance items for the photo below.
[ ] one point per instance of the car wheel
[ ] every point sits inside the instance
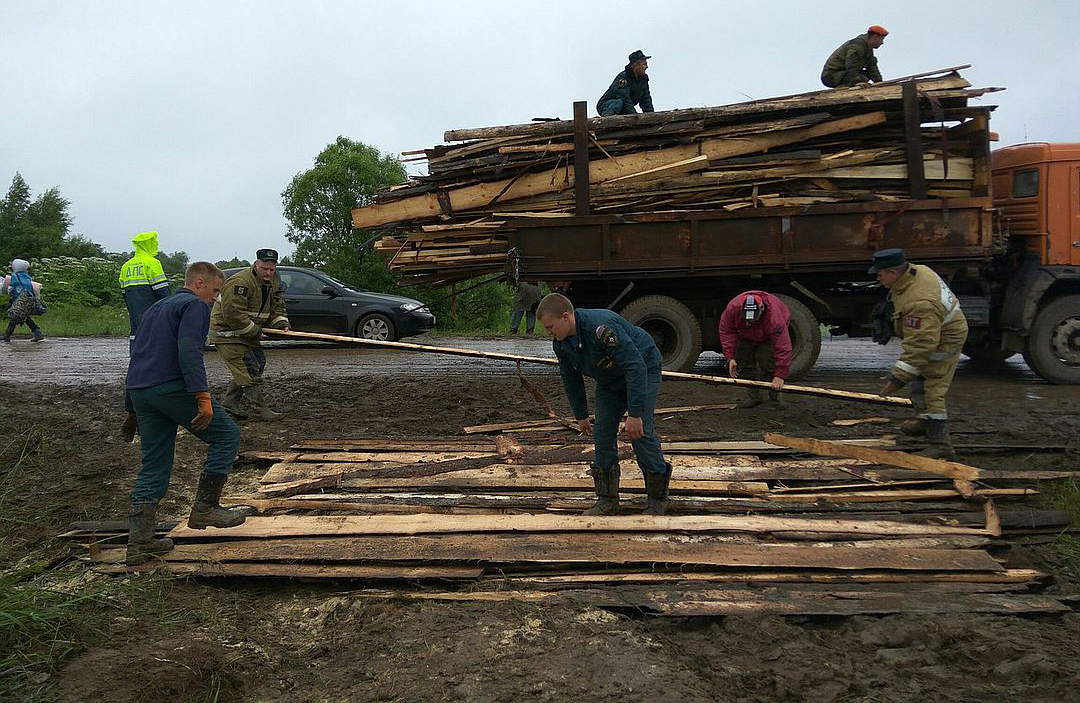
(377, 327)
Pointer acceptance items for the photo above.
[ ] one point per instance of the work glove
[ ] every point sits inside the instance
(206, 411)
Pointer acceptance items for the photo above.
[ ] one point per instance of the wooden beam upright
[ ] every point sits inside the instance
(581, 159)
(913, 141)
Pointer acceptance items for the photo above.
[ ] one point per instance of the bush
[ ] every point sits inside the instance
(90, 282)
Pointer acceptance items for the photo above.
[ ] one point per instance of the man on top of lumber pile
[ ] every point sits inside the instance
(630, 88)
(251, 299)
(167, 382)
(928, 319)
(853, 62)
(754, 336)
(625, 362)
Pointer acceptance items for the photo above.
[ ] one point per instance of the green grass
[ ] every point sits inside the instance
(65, 320)
(1065, 495)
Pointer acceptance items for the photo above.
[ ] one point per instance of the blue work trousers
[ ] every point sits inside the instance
(530, 320)
(160, 410)
(610, 406)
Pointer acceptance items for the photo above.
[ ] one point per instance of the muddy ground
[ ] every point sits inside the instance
(274, 640)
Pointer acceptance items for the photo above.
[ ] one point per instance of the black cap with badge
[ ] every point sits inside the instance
(887, 259)
(638, 55)
(267, 255)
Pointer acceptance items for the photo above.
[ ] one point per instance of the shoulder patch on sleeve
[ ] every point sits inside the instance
(607, 336)
(622, 82)
(912, 322)
(241, 290)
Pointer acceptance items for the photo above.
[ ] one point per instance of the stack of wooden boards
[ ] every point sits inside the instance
(829, 146)
(756, 528)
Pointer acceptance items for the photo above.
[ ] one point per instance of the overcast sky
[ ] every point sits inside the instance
(191, 117)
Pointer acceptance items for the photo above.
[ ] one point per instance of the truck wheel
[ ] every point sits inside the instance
(805, 337)
(673, 327)
(1053, 347)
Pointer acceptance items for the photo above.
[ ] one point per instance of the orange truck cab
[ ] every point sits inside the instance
(1036, 192)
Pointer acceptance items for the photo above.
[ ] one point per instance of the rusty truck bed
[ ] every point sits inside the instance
(762, 240)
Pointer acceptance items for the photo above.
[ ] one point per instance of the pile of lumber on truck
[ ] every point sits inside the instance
(755, 527)
(830, 146)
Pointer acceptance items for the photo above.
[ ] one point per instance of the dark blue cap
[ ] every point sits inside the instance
(638, 56)
(887, 258)
(266, 255)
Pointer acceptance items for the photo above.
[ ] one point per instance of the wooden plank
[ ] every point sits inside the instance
(695, 163)
(1015, 577)
(333, 525)
(950, 469)
(874, 604)
(592, 548)
(501, 426)
(774, 600)
(552, 361)
(480, 195)
(115, 565)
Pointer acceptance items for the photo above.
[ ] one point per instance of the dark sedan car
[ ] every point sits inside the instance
(319, 303)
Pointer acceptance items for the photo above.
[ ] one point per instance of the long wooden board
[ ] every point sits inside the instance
(333, 525)
(591, 548)
(474, 353)
(1011, 576)
(951, 469)
(115, 565)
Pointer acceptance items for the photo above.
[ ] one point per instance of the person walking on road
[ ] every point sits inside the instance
(926, 315)
(625, 362)
(526, 298)
(853, 62)
(250, 300)
(25, 300)
(143, 283)
(167, 381)
(629, 89)
(755, 339)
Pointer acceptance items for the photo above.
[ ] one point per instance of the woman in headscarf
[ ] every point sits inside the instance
(24, 299)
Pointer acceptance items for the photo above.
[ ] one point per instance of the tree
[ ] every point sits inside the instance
(318, 204)
(38, 228)
(233, 263)
(174, 263)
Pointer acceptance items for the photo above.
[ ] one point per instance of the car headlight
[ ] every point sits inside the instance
(409, 307)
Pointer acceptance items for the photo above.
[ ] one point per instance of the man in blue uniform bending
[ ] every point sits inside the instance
(624, 361)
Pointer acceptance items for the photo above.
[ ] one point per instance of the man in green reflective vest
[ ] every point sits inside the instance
(143, 283)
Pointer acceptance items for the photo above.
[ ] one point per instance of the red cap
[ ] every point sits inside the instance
(878, 29)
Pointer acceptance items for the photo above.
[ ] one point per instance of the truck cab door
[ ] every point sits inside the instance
(1074, 215)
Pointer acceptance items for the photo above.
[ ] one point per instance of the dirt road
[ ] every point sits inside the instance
(310, 642)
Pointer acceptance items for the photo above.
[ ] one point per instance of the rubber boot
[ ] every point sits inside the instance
(915, 427)
(259, 411)
(233, 402)
(207, 512)
(10, 331)
(656, 487)
(607, 490)
(774, 401)
(129, 428)
(141, 543)
(937, 434)
(752, 400)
